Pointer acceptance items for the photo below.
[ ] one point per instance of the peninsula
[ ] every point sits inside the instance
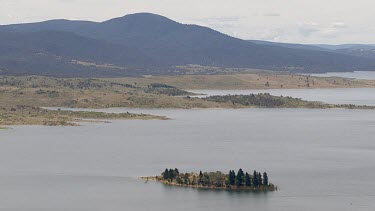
(23, 98)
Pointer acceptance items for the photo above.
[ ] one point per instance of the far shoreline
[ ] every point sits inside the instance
(256, 81)
(270, 89)
(25, 98)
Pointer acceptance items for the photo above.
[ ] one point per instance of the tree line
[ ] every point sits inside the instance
(245, 179)
(218, 179)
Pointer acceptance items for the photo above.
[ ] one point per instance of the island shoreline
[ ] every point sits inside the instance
(231, 188)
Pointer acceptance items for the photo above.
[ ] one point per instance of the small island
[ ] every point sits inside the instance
(216, 180)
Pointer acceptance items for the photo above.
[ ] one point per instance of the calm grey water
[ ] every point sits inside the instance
(320, 159)
(359, 96)
(366, 75)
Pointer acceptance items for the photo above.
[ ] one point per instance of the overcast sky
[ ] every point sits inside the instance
(300, 21)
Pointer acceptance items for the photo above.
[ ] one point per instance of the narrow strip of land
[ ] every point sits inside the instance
(29, 115)
(22, 98)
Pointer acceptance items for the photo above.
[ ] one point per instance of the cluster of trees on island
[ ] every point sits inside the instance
(241, 180)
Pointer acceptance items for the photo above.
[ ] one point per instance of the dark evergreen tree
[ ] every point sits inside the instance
(171, 174)
(166, 174)
(255, 179)
(247, 180)
(240, 177)
(260, 182)
(231, 178)
(265, 179)
(200, 179)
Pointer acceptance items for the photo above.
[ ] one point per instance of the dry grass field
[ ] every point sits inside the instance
(264, 80)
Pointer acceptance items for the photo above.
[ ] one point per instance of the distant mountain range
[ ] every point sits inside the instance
(146, 43)
(359, 50)
(345, 46)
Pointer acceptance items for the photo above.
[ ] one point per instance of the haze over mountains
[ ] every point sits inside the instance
(146, 43)
(360, 50)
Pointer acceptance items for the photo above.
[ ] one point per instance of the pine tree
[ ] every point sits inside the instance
(265, 179)
(255, 179)
(247, 180)
(166, 174)
(239, 178)
(260, 182)
(200, 178)
(231, 177)
(171, 174)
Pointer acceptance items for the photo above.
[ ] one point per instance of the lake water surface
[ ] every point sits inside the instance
(320, 159)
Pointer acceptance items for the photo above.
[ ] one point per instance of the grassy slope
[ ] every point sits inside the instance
(87, 93)
(251, 81)
(22, 97)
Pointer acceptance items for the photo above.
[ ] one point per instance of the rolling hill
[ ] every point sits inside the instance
(60, 54)
(151, 43)
(366, 51)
